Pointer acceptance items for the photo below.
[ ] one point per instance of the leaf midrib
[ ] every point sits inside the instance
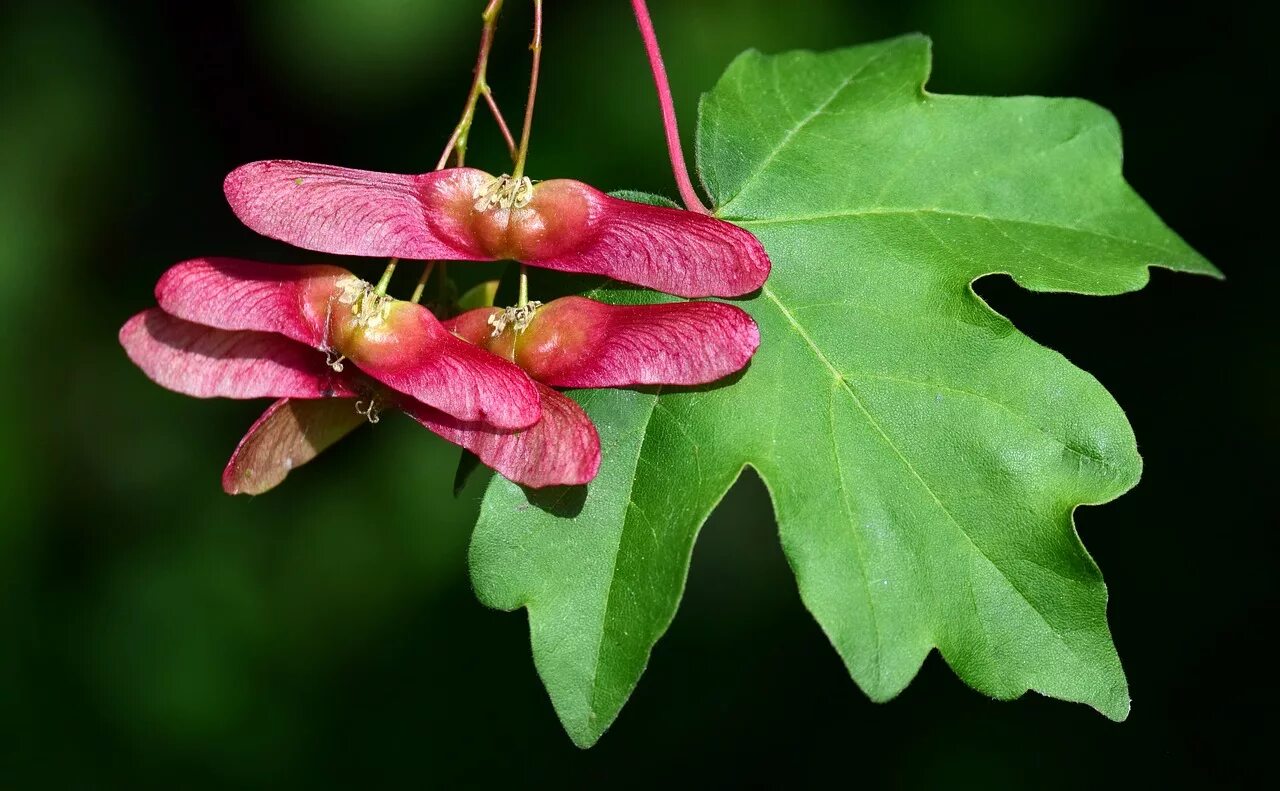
(859, 543)
(992, 218)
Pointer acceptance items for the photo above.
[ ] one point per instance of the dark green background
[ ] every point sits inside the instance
(155, 632)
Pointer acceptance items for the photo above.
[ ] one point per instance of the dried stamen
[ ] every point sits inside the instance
(517, 318)
(369, 409)
(369, 308)
(503, 192)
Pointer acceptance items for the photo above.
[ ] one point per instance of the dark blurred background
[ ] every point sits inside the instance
(155, 632)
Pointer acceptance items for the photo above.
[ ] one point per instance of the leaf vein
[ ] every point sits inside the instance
(875, 424)
(838, 215)
(857, 540)
(608, 596)
(817, 111)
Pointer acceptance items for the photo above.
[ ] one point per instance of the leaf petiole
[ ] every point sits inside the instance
(678, 168)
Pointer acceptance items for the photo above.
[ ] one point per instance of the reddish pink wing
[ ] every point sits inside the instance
(569, 226)
(562, 449)
(670, 250)
(206, 362)
(351, 212)
(234, 294)
(430, 364)
(578, 342)
(473, 326)
(289, 434)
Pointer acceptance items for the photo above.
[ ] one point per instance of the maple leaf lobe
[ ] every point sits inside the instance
(923, 457)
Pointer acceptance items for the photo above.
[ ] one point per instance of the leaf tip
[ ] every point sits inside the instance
(1114, 704)
(583, 737)
(1119, 713)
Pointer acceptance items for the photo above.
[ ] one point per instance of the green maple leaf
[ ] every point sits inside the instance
(924, 458)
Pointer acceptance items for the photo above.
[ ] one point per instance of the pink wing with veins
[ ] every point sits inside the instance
(210, 363)
(561, 449)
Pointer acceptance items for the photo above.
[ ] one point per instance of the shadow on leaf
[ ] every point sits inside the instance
(563, 501)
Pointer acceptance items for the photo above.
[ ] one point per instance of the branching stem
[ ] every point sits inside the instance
(479, 87)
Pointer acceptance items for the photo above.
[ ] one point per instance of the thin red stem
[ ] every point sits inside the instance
(502, 122)
(678, 168)
(536, 46)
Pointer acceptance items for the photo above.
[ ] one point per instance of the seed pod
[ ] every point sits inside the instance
(558, 224)
(579, 342)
